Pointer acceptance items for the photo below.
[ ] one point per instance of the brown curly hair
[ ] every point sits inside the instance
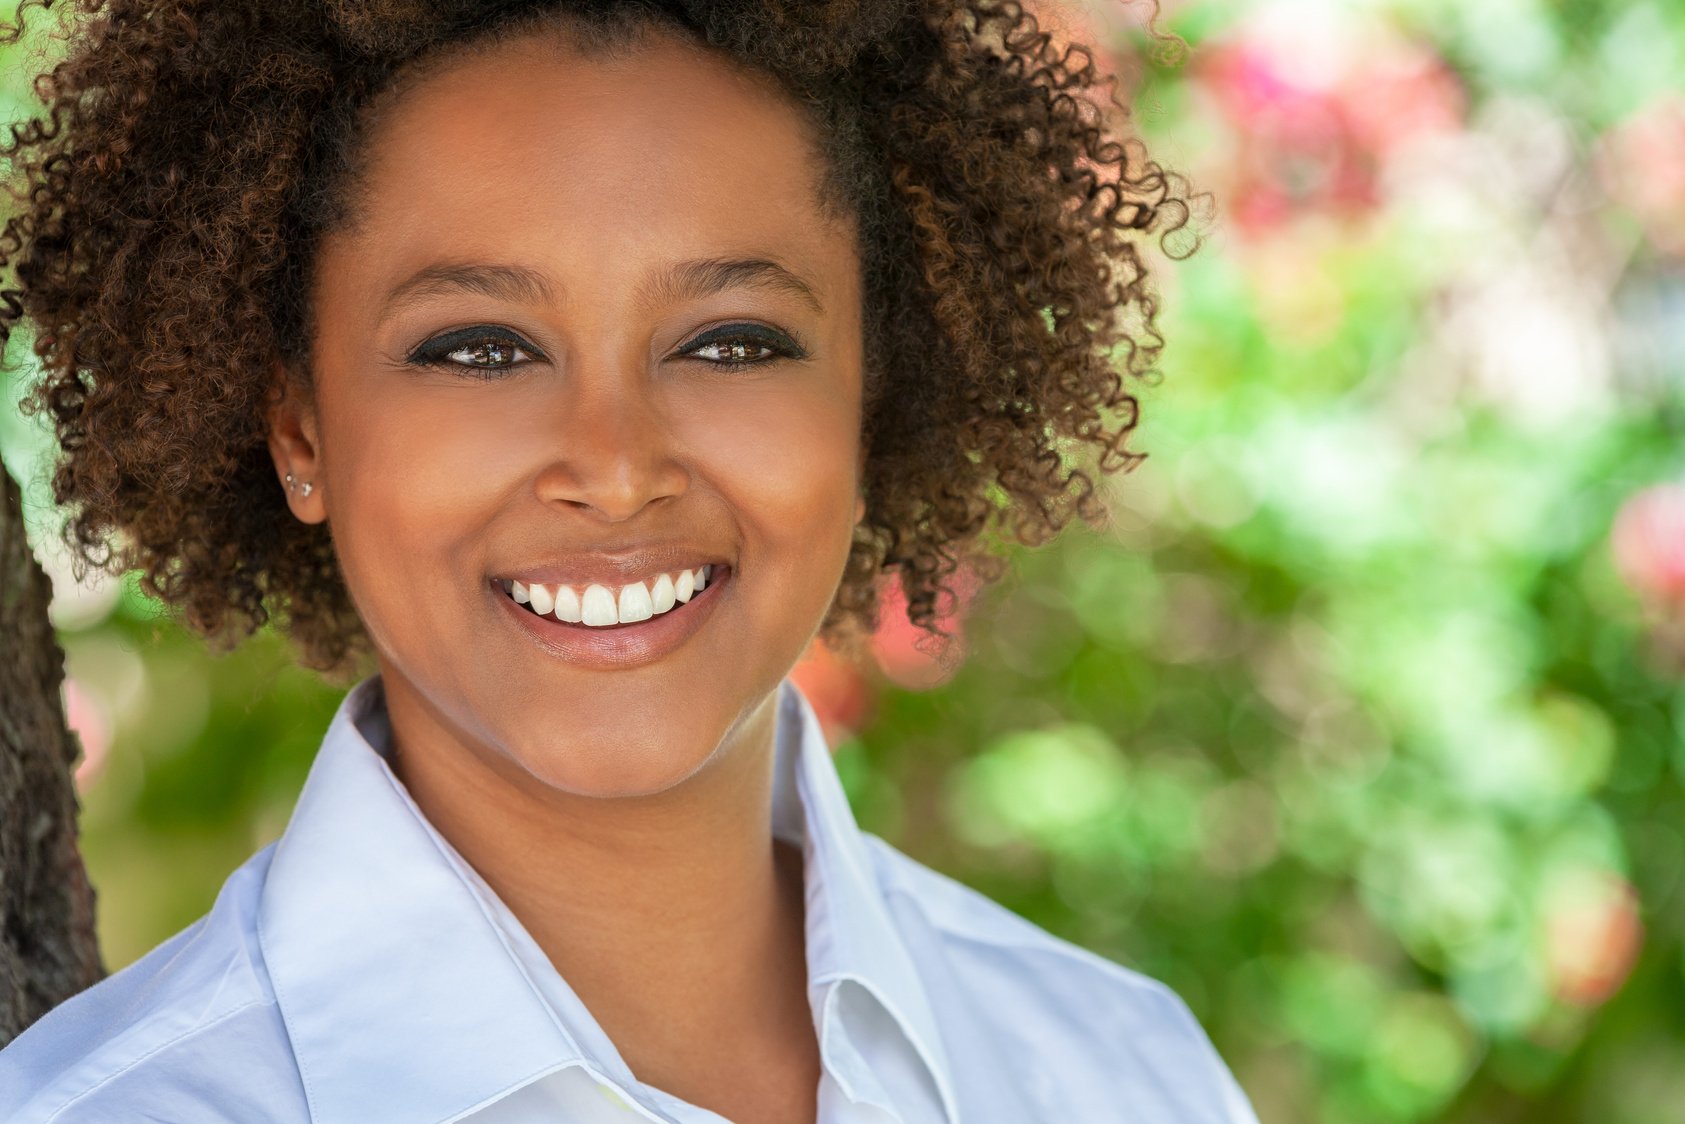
(194, 152)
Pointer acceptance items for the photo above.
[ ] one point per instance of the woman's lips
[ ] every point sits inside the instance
(623, 644)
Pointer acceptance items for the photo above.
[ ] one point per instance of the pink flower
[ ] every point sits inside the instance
(837, 690)
(87, 720)
(1641, 163)
(1648, 542)
(1312, 135)
(1592, 936)
(908, 655)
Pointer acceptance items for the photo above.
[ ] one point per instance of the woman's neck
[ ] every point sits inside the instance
(676, 917)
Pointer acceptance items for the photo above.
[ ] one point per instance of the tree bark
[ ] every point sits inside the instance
(48, 950)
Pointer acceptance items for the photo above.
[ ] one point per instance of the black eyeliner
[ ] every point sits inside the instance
(432, 351)
(761, 333)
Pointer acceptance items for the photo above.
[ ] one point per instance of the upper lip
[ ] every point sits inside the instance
(609, 568)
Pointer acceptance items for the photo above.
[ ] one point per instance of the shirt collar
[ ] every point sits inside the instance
(386, 960)
(850, 933)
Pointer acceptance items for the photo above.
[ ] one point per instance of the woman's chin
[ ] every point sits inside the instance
(607, 768)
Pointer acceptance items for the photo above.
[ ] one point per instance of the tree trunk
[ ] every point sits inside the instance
(48, 951)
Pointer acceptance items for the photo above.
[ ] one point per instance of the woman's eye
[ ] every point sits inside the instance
(739, 346)
(477, 350)
(734, 352)
(482, 353)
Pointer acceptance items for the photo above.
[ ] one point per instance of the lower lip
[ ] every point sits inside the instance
(619, 646)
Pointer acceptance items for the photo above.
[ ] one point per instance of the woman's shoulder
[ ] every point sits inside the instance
(1103, 1029)
(183, 1033)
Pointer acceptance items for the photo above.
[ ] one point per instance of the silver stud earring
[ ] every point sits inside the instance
(304, 489)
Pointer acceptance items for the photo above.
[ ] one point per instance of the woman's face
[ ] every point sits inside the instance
(521, 375)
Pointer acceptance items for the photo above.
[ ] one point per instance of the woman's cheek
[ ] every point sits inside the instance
(784, 455)
(410, 475)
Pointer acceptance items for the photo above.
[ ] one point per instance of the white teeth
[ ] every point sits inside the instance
(596, 608)
(635, 603)
(542, 599)
(567, 604)
(599, 606)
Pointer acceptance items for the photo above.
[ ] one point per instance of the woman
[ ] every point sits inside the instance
(575, 364)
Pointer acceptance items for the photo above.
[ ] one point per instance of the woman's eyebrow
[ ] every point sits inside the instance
(512, 283)
(703, 276)
(682, 280)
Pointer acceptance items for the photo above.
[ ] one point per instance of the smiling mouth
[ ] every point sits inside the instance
(596, 606)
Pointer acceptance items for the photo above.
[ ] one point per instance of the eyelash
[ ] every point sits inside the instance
(434, 352)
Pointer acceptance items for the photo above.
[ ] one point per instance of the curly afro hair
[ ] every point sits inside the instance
(194, 152)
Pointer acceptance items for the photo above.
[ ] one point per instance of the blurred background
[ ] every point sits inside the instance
(1362, 725)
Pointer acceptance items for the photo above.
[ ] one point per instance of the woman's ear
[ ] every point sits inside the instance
(294, 446)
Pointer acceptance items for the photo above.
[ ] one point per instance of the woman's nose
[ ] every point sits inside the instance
(614, 451)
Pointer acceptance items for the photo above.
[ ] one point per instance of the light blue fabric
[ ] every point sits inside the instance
(358, 970)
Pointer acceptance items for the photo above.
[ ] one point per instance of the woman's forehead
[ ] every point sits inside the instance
(668, 135)
(598, 171)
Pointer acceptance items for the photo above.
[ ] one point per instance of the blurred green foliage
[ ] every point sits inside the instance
(1362, 723)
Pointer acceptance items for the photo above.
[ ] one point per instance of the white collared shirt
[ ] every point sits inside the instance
(358, 970)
